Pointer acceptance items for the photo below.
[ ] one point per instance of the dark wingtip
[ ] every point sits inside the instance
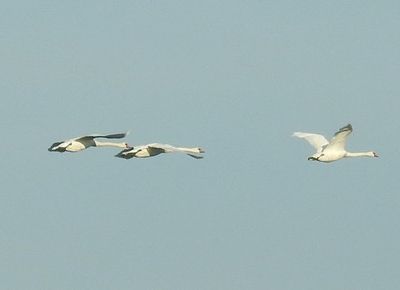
(115, 136)
(54, 145)
(196, 156)
(121, 153)
(348, 127)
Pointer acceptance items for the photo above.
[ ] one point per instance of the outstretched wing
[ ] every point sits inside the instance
(195, 156)
(338, 141)
(59, 146)
(165, 147)
(109, 136)
(127, 153)
(88, 139)
(316, 140)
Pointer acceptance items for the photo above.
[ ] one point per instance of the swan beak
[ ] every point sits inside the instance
(375, 155)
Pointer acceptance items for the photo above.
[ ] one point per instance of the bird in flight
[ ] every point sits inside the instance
(333, 150)
(153, 149)
(80, 143)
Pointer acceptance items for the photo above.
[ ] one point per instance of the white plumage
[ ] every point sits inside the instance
(333, 150)
(153, 149)
(80, 143)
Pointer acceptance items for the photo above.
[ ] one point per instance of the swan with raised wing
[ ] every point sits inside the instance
(333, 150)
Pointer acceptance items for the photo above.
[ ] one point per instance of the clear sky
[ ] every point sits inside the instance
(235, 77)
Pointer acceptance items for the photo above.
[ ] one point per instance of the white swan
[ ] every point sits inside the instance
(83, 142)
(333, 150)
(153, 149)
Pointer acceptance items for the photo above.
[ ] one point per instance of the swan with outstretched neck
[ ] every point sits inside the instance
(153, 149)
(81, 143)
(333, 150)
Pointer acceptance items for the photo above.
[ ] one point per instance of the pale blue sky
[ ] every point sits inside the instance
(235, 77)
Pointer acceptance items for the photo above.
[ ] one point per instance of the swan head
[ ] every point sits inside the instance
(374, 154)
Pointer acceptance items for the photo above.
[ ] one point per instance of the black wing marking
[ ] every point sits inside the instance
(155, 150)
(113, 136)
(348, 127)
(54, 147)
(195, 156)
(125, 153)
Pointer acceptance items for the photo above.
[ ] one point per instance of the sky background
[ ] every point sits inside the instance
(234, 77)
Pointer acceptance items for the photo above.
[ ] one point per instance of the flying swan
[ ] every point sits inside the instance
(83, 142)
(153, 149)
(333, 150)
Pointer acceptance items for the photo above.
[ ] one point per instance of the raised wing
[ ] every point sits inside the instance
(338, 141)
(316, 140)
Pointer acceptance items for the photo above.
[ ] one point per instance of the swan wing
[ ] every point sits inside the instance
(338, 142)
(108, 136)
(195, 156)
(82, 142)
(59, 146)
(164, 147)
(88, 140)
(316, 140)
(127, 153)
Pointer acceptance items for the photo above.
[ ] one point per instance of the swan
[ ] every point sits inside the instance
(80, 143)
(333, 150)
(153, 149)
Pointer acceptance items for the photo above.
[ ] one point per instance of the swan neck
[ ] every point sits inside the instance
(190, 150)
(359, 154)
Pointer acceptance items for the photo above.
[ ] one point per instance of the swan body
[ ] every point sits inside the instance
(153, 149)
(80, 143)
(333, 150)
